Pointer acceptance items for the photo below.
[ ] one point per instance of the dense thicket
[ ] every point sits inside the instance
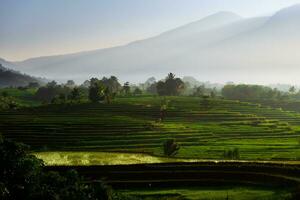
(171, 86)
(22, 177)
(52, 90)
(251, 92)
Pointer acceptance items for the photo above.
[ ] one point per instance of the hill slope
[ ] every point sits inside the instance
(9, 78)
(203, 129)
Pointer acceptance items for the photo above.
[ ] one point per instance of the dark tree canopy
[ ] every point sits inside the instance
(75, 94)
(250, 92)
(126, 88)
(171, 86)
(70, 83)
(51, 92)
(104, 90)
(96, 90)
(112, 84)
(171, 148)
(137, 91)
(11, 78)
(22, 177)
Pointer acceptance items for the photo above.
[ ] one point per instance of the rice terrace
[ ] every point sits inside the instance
(129, 131)
(160, 100)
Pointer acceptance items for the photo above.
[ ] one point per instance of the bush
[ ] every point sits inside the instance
(22, 177)
(232, 154)
(171, 148)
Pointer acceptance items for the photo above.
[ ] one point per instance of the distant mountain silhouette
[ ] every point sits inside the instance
(221, 47)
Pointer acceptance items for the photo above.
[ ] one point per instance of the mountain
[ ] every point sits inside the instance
(213, 21)
(287, 18)
(6, 63)
(221, 47)
(10, 78)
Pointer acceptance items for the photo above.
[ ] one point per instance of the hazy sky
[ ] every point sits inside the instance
(31, 28)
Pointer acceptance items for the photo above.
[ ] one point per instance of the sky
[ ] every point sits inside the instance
(34, 28)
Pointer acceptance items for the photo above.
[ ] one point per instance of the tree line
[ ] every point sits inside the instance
(107, 88)
(245, 92)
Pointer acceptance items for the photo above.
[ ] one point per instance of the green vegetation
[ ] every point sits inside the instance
(232, 154)
(79, 158)
(171, 148)
(132, 124)
(23, 97)
(22, 177)
(171, 86)
(101, 123)
(11, 78)
(209, 193)
(101, 158)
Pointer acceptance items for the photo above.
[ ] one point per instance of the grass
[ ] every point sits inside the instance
(129, 132)
(131, 125)
(24, 97)
(210, 193)
(61, 158)
(101, 158)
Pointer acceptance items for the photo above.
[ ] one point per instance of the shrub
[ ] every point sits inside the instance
(232, 154)
(22, 177)
(171, 148)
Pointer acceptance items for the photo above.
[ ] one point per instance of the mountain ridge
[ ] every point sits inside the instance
(11, 78)
(232, 47)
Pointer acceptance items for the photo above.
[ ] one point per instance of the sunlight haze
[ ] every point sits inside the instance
(35, 28)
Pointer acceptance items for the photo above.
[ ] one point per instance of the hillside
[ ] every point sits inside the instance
(203, 129)
(221, 47)
(10, 78)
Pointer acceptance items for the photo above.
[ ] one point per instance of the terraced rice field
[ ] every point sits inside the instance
(202, 180)
(204, 129)
(208, 193)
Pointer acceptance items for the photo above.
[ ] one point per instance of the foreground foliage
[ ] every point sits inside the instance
(171, 148)
(22, 177)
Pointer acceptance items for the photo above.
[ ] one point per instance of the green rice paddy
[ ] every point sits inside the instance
(131, 125)
(209, 193)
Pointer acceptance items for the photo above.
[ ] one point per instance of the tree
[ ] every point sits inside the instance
(52, 92)
(112, 84)
(171, 86)
(75, 94)
(213, 94)
(22, 177)
(126, 88)
(108, 95)
(51, 84)
(19, 171)
(161, 88)
(292, 90)
(152, 89)
(150, 81)
(251, 92)
(199, 91)
(7, 102)
(205, 102)
(59, 99)
(137, 91)
(33, 85)
(96, 90)
(4, 94)
(163, 109)
(86, 84)
(70, 84)
(232, 154)
(170, 147)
